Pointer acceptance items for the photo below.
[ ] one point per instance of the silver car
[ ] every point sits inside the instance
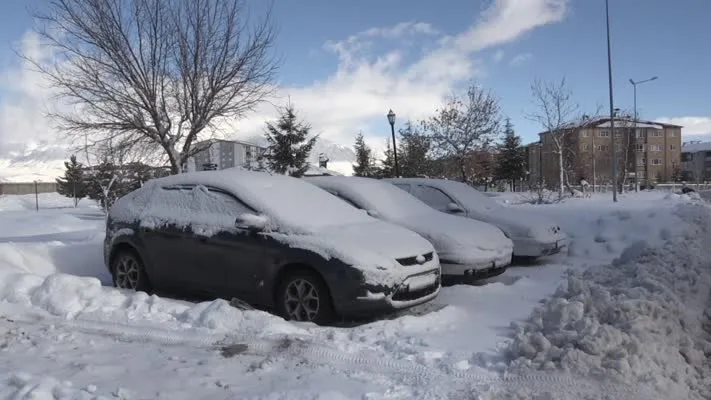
(532, 235)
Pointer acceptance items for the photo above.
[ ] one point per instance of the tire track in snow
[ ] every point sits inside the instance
(319, 353)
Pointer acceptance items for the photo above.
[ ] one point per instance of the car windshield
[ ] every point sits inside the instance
(387, 199)
(470, 197)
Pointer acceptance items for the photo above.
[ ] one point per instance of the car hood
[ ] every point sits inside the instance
(457, 237)
(380, 237)
(520, 223)
(372, 247)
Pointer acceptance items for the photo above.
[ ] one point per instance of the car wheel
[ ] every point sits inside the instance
(129, 273)
(303, 296)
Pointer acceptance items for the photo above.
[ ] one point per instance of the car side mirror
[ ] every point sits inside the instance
(253, 222)
(373, 213)
(454, 208)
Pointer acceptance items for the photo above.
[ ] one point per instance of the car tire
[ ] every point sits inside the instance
(128, 272)
(303, 296)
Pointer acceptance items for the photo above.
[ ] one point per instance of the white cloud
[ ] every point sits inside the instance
(520, 59)
(691, 125)
(366, 84)
(498, 56)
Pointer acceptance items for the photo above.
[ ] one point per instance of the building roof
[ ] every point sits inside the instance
(604, 122)
(694, 147)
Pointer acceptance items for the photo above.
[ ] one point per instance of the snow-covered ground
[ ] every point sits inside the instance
(624, 315)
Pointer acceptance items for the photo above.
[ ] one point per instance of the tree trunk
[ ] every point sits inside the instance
(463, 170)
(561, 187)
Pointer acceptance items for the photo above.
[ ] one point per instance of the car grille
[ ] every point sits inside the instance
(406, 295)
(409, 261)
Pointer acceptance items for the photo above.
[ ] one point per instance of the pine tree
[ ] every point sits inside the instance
(511, 160)
(387, 165)
(103, 184)
(73, 184)
(364, 158)
(289, 146)
(413, 152)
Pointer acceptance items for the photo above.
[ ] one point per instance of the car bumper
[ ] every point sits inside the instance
(534, 248)
(414, 290)
(478, 269)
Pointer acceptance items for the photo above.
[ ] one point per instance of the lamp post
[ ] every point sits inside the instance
(391, 120)
(634, 85)
(612, 107)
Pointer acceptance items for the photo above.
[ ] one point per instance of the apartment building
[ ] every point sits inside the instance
(220, 154)
(648, 151)
(696, 162)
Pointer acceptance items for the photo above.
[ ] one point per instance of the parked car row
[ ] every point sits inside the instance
(316, 248)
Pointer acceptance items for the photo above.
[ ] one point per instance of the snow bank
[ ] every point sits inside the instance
(642, 320)
(600, 230)
(73, 297)
(21, 386)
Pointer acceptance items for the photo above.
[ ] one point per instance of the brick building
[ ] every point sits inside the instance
(652, 152)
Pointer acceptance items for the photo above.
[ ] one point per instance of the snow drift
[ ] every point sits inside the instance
(71, 297)
(642, 320)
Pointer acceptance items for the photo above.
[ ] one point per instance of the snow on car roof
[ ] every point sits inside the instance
(293, 203)
(373, 194)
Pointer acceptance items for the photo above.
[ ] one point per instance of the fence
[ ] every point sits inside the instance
(27, 187)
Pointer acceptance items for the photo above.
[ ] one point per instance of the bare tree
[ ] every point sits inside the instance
(464, 124)
(152, 75)
(555, 111)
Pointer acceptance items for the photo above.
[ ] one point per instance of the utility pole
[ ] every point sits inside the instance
(612, 107)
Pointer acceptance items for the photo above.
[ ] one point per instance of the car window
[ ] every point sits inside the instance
(216, 201)
(168, 206)
(433, 197)
(403, 186)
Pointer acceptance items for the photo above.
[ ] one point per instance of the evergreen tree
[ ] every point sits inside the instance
(73, 184)
(387, 165)
(103, 184)
(364, 158)
(413, 152)
(289, 146)
(511, 160)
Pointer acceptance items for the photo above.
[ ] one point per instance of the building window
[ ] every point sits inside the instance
(672, 147)
(656, 161)
(604, 133)
(584, 134)
(586, 146)
(657, 133)
(672, 133)
(655, 147)
(640, 132)
(603, 147)
(641, 161)
(640, 147)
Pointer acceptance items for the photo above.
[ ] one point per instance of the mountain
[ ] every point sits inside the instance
(46, 163)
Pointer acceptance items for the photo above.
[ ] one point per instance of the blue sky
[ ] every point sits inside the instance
(347, 62)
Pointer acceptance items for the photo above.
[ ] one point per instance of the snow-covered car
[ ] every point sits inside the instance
(467, 249)
(532, 235)
(272, 241)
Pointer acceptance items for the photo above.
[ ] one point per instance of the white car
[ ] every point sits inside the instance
(533, 235)
(467, 249)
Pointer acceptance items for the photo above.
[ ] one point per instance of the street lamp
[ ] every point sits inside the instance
(634, 85)
(391, 119)
(612, 107)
